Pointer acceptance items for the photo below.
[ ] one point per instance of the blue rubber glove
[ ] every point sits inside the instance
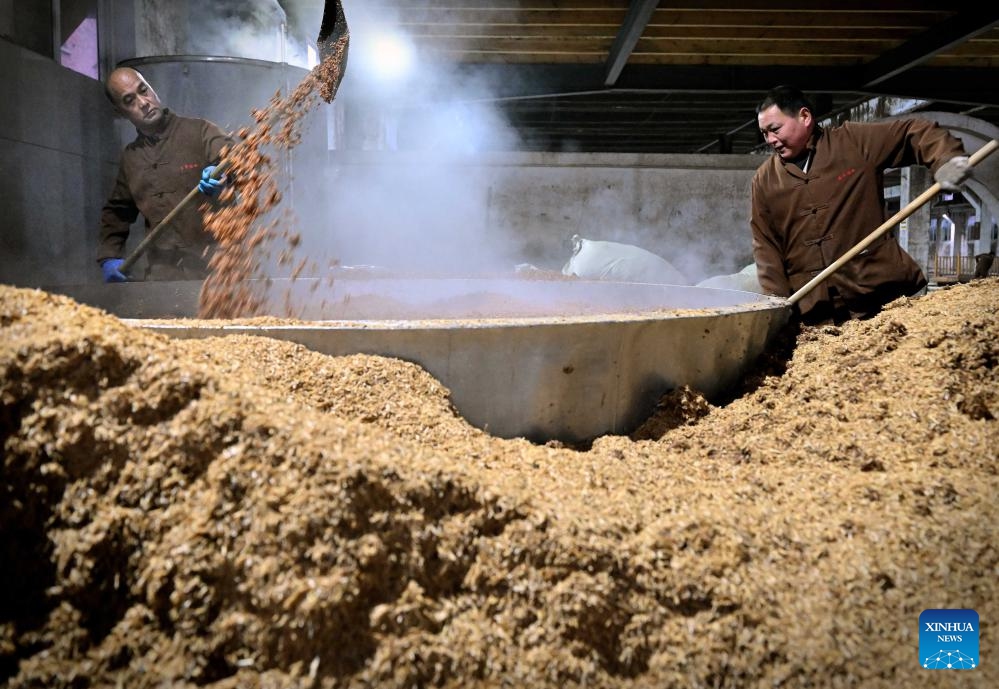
(111, 267)
(208, 186)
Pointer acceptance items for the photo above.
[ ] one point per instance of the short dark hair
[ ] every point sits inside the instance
(789, 99)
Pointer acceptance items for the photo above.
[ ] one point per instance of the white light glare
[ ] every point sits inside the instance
(391, 56)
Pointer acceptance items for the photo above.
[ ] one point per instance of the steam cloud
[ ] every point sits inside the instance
(404, 188)
(403, 184)
(255, 29)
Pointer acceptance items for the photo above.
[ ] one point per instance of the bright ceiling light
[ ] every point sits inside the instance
(390, 56)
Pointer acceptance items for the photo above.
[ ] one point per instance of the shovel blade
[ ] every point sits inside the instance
(334, 38)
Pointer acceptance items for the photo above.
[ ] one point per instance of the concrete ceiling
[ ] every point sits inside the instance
(684, 76)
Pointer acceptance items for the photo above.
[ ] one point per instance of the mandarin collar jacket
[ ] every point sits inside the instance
(155, 173)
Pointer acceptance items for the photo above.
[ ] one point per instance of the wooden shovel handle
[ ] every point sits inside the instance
(155, 232)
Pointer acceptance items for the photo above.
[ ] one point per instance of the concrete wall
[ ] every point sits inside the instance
(492, 211)
(58, 157)
(28, 23)
(692, 210)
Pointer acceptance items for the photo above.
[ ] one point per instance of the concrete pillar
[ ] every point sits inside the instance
(914, 231)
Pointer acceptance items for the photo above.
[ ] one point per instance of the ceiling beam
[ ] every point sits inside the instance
(954, 31)
(950, 84)
(501, 81)
(497, 81)
(639, 13)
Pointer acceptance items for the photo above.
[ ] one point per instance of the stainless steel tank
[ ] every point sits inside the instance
(542, 359)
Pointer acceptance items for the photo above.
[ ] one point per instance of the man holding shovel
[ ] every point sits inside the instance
(821, 194)
(169, 157)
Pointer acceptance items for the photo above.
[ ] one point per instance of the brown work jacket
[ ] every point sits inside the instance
(802, 222)
(154, 176)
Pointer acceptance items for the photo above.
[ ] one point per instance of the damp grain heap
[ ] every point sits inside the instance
(242, 512)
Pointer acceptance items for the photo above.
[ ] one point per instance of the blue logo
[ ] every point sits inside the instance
(948, 639)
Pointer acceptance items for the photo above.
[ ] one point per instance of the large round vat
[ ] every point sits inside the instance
(541, 359)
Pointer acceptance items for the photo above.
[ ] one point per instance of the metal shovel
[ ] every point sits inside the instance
(334, 37)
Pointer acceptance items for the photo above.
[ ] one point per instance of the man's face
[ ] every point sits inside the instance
(136, 100)
(787, 134)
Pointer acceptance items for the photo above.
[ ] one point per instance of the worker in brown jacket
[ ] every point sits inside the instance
(170, 155)
(823, 192)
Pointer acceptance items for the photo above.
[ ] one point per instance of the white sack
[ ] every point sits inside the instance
(598, 260)
(745, 281)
